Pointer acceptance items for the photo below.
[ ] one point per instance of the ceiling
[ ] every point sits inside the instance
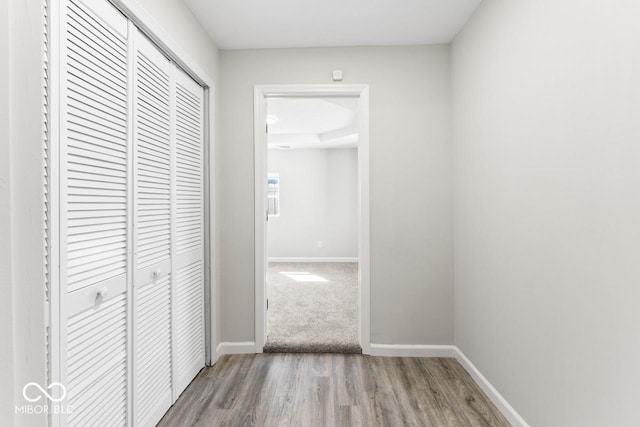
(252, 24)
(312, 122)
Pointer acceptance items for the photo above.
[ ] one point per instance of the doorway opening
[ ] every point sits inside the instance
(312, 218)
(312, 225)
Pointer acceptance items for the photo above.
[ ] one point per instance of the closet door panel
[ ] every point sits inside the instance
(153, 157)
(152, 394)
(94, 212)
(189, 330)
(132, 330)
(189, 137)
(96, 154)
(189, 219)
(97, 374)
(152, 235)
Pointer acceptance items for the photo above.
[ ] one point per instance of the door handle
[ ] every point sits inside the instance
(102, 293)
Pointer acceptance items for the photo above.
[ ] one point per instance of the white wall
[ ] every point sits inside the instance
(546, 106)
(318, 202)
(6, 306)
(411, 209)
(21, 185)
(22, 325)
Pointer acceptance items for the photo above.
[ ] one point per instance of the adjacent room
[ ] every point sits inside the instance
(286, 213)
(312, 228)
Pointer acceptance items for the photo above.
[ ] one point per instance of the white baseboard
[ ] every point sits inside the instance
(402, 350)
(313, 259)
(501, 403)
(248, 347)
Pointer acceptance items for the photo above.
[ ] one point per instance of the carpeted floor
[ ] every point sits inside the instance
(313, 308)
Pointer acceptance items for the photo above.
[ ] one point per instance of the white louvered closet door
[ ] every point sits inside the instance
(152, 284)
(131, 226)
(189, 329)
(94, 171)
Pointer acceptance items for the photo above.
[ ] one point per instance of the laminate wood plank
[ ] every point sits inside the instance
(280, 392)
(350, 416)
(446, 410)
(388, 407)
(416, 397)
(324, 390)
(345, 371)
(477, 408)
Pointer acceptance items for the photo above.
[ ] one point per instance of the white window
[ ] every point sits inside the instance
(273, 194)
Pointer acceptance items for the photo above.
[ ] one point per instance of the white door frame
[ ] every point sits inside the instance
(261, 93)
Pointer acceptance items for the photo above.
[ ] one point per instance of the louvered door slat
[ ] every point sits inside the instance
(84, 66)
(151, 157)
(98, 259)
(100, 147)
(189, 335)
(152, 107)
(151, 147)
(104, 35)
(97, 109)
(102, 97)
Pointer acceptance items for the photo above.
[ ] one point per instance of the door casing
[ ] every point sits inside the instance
(261, 94)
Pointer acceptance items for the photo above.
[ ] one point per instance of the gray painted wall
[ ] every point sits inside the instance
(546, 100)
(411, 184)
(21, 203)
(318, 202)
(6, 306)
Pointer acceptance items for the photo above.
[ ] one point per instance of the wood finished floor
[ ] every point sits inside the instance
(333, 390)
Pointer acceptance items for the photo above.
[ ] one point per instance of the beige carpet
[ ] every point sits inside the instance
(313, 308)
